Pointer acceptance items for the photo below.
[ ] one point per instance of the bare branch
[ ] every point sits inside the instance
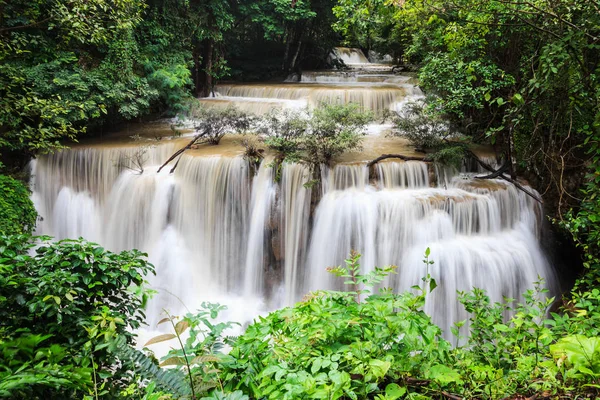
(180, 151)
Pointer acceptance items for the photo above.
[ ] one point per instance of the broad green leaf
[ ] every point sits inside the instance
(443, 374)
(432, 285)
(379, 368)
(393, 391)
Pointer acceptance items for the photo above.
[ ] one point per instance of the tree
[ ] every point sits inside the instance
(52, 81)
(522, 74)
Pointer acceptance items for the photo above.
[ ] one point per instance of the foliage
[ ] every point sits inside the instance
(17, 213)
(427, 129)
(370, 24)
(338, 345)
(85, 300)
(50, 89)
(28, 368)
(521, 74)
(214, 123)
(584, 228)
(252, 150)
(423, 127)
(335, 129)
(359, 344)
(197, 354)
(284, 130)
(316, 138)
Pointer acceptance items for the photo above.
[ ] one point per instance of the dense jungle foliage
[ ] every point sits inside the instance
(523, 75)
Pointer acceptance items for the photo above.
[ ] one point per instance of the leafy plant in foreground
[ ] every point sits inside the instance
(197, 354)
(338, 345)
(79, 297)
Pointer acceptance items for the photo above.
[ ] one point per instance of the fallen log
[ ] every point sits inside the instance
(451, 396)
(495, 174)
(399, 156)
(180, 151)
(499, 174)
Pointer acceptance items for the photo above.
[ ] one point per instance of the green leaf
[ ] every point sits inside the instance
(432, 285)
(393, 391)
(580, 352)
(379, 368)
(518, 99)
(443, 374)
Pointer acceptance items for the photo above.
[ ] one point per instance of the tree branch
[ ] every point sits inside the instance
(12, 28)
(501, 175)
(180, 151)
(399, 156)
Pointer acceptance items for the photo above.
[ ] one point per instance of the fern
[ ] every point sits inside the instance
(169, 380)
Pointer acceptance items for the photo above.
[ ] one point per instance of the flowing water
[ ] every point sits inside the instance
(219, 231)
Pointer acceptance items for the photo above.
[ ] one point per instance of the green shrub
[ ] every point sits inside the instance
(214, 123)
(317, 138)
(335, 345)
(79, 296)
(17, 213)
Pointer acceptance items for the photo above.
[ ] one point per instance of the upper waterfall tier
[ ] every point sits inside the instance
(369, 97)
(354, 77)
(350, 56)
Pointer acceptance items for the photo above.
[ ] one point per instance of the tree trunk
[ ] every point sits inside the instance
(208, 65)
(196, 72)
(295, 59)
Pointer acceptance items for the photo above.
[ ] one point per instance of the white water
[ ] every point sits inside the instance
(218, 233)
(350, 56)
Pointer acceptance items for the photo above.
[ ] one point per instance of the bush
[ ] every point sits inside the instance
(425, 129)
(214, 123)
(83, 299)
(360, 345)
(17, 213)
(334, 130)
(316, 138)
(335, 345)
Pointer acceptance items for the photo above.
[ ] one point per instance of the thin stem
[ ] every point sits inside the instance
(187, 363)
(95, 381)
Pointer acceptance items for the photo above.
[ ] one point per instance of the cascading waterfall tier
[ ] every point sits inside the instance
(218, 231)
(215, 230)
(368, 97)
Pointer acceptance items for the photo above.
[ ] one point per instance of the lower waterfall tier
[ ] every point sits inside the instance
(217, 231)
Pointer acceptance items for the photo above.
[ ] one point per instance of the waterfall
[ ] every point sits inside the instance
(263, 197)
(368, 97)
(350, 56)
(295, 204)
(217, 230)
(212, 227)
(480, 236)
(409, 174)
